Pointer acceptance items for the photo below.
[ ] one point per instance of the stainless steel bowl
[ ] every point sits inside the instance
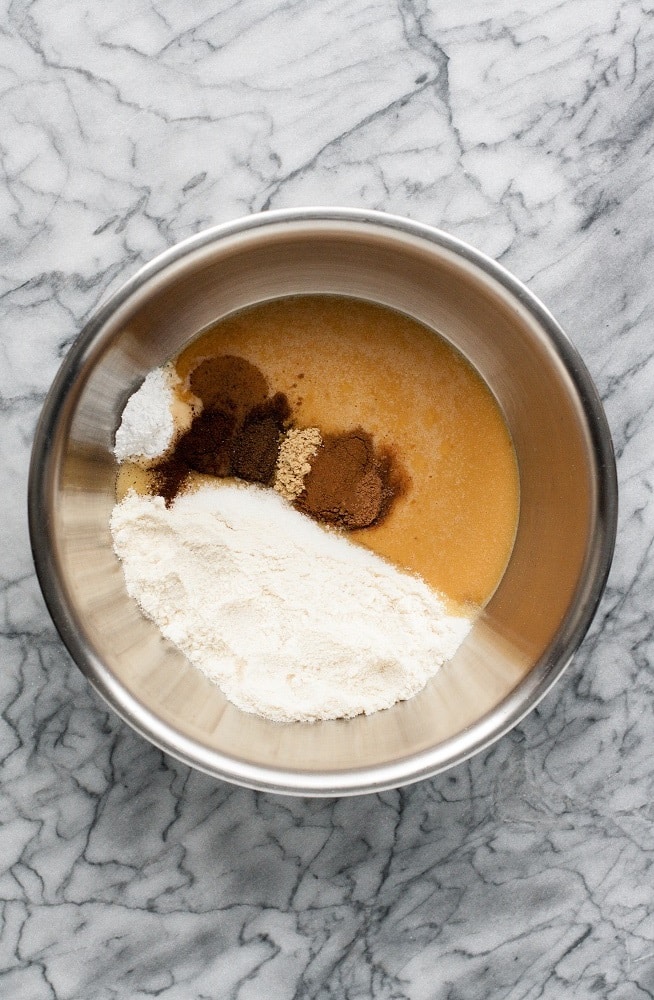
(563, 549)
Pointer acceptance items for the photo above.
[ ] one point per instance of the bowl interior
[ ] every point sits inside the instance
(527, 632)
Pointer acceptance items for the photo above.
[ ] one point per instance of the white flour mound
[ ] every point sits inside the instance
(293, 621)
(147, 428)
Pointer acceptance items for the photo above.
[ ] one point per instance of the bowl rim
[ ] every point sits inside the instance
(371, 778)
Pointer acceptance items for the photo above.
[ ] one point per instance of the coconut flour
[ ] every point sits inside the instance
(290, 618)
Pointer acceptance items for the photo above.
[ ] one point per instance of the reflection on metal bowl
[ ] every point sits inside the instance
(528, 631)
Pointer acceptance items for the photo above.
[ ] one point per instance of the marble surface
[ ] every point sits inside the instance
(526, 129)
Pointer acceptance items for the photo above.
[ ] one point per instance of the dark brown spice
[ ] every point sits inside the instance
(230, 384)
(256, 446)
(350, 485)
(237, 434)
(277, 408)
(395, 479)
(205, 447)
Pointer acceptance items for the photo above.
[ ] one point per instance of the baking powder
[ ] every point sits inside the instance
(147, 427)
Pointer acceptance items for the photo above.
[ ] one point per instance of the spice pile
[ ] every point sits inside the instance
(240, 430)
(292, 620)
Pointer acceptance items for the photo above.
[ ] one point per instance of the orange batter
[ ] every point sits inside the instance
(345, 363)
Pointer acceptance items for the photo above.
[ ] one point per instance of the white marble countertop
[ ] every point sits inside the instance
(526, 129)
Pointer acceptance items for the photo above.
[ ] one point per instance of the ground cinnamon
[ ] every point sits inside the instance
(349, 485)
(230, 384)
(205, 447)
(298, 447)
(255, 447)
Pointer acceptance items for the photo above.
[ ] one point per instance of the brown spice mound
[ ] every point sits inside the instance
(230, 384)
(238, 432)
(350, 485)
(169, 478)
(204, 447)
(256, 446)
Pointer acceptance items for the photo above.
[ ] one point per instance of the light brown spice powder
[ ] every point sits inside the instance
(297, 447)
